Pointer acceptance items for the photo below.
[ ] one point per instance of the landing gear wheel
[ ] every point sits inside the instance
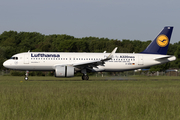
(26, 78)
(85, 77)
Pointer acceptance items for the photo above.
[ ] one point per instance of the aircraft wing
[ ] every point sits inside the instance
(89, 64)
(95, 63)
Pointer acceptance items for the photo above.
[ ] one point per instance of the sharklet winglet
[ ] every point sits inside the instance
(111, 55)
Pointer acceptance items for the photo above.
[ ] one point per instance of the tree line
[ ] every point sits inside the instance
(12, 42)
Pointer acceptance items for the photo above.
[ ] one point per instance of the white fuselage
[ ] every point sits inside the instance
(46, 61)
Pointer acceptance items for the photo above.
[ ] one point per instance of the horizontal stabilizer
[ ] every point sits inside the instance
(163, 57)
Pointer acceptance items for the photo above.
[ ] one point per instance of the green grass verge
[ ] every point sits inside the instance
(46, 98)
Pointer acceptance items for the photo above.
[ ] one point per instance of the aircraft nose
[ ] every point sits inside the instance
(5, 64)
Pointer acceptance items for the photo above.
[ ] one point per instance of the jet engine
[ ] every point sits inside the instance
(64, 71)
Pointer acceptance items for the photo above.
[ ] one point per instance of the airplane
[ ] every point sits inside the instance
(66, 64)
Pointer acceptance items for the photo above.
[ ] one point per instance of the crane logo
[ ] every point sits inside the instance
(162, 40)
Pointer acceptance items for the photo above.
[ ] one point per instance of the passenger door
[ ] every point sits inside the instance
(26, 58)
(140, 60)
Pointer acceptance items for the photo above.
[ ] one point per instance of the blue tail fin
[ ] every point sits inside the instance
(160, 44)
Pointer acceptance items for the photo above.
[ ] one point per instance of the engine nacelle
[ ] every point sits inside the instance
(64, 71)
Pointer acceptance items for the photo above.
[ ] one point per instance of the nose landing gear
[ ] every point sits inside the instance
(26, 75)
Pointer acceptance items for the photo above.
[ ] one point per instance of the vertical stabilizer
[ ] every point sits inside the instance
(161, 43)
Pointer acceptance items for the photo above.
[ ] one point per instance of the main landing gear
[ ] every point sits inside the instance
(84, 76)
(26, 75)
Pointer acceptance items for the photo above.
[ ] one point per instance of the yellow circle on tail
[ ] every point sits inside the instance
(162, 40)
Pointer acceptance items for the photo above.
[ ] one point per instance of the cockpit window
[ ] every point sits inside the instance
(14, 58)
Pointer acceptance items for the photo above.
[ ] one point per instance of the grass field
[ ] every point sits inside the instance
(46, 98)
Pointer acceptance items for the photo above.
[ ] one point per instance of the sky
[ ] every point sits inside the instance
(113, 19)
